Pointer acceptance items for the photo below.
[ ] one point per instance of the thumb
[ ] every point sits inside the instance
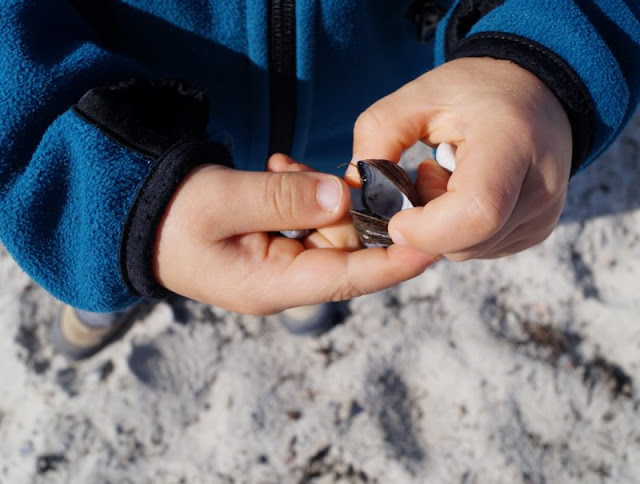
(267, 202)
(390, 126)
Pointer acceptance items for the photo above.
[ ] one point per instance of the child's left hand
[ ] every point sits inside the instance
(513, 157)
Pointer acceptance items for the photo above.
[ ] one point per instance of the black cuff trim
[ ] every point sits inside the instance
(550, 69)
(146, 116)
(139, 236)
(466, 14)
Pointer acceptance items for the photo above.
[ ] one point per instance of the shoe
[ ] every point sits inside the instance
(311, 320)
(80, 334)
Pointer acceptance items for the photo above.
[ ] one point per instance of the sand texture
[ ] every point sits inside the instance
(518, 370)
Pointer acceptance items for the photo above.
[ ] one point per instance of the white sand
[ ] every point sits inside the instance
(523, 369)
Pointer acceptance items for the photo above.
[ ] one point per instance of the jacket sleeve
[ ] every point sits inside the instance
(89, 158)
(586, 51)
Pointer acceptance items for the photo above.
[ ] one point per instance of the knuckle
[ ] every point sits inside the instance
(345, 292)
(369, 120)
(347, 288)
(540, 195)
(488, 214)
(541, 237)
(281, 196)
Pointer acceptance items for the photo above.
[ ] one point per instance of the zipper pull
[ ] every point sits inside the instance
(425, 14)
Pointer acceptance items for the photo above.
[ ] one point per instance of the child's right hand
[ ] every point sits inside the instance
(215, 243)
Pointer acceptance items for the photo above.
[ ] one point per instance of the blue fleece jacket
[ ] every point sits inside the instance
(105, 105)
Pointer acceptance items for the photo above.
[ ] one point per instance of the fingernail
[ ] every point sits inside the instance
(398, 238)
(329, 194)
(352, 171)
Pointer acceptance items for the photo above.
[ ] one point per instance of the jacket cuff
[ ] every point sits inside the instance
(164, 122)
(551, 69)
(139, 234)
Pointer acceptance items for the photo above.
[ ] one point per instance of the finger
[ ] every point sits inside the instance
(279, 163)
(535, 228)
(515, 246)
(264, 274)
(247, 262)
(431, 181)
(322, 275)
(341, 275)
(480, 197)
(535, 216)
(263, 202)
(396, 122)
(384, 131)
(341, 235)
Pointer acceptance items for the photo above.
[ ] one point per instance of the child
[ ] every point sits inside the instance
(116, 180)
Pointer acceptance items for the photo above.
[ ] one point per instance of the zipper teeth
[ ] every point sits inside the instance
(282, 35)
(282, 74)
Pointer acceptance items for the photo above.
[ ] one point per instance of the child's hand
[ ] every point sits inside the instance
(216, 243)
(338, 235)
(513, 157)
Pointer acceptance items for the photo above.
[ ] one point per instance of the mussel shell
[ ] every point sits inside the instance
(372, 231)
(383, 176)
(386, 189)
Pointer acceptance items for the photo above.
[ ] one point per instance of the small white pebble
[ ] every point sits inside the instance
(295, 234)
(446, 157)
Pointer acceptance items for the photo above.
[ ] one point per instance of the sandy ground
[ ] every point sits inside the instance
(523, 369)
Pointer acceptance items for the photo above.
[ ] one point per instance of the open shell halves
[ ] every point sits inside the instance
(386, 189)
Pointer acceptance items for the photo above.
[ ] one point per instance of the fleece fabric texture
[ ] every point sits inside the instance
(65, 189)
(62, 221)
(68, 190)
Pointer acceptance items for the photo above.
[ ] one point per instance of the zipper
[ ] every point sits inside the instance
(282, 75)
